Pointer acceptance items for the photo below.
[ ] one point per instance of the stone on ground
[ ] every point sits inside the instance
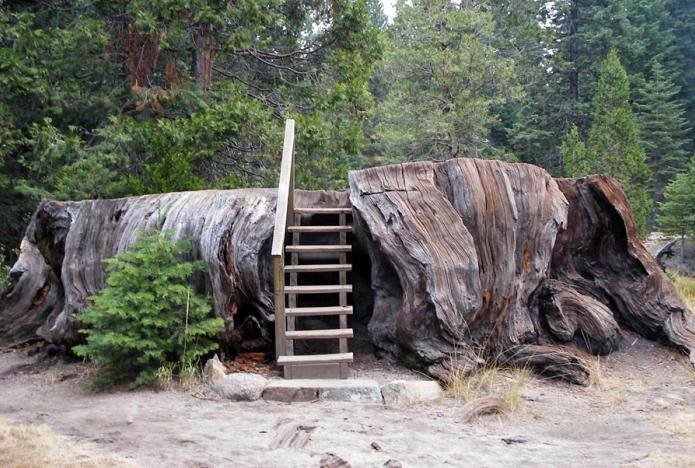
(410, 392)
(357, 390)
(241, 386)
(214, 370)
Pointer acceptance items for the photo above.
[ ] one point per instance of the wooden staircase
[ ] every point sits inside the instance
(325, 264)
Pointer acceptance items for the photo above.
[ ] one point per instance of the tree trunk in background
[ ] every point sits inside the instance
(471, 261)
(203, 60)
(141, 56)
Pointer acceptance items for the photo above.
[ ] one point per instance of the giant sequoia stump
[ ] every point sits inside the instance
(471, 260)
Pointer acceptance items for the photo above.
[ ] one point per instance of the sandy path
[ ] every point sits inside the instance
(640, 413)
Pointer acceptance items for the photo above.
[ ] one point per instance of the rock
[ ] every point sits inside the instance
(331, 460)
(376, 446)
(393, 464)
(359, 391)
(288, 394)
(356, 390)
(514, 440)
(214, 370)
(410, 392)
(241, 386)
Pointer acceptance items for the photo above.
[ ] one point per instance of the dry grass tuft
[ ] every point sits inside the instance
(188, 377)
(503, 382)
(595, 371)
(165, 378)
(686, 288)
(24, 446)
(680, 423)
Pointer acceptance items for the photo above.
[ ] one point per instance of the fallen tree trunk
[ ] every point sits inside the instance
(467, 261)
(600, 256)
(61, 261)
(474, 258)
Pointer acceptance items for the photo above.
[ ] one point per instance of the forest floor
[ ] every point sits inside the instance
(639, 412)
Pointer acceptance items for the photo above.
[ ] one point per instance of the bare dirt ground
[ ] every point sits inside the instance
(640, 412)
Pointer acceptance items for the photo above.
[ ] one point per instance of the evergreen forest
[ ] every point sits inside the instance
(102, 99)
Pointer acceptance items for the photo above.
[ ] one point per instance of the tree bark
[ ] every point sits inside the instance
(61, 261)
(463, 261)
(203, 57)
(475, 258)
(600, 255)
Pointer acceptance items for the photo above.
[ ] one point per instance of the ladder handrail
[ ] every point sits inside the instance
(284, 213)
(284, 216)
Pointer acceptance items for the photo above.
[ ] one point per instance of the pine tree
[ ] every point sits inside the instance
(663, 129)
(583, 32)
(678, 210)
(682, 21)
(376, 13)
(575, 158)
(443, 76)
(614, 141)
(148, 315)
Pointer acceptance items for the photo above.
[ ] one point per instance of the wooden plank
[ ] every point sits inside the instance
(318, 248)
(320, 229)
(318, 268)
(329, 334)
(317, 210)
(319, 289)
(292, 298)
(284, 212)
(315, 359)
(285, 197)
(329, 370)
(343, 322)
(316, 311)
(279, 282)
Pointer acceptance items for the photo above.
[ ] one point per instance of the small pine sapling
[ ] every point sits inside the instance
(148, 315)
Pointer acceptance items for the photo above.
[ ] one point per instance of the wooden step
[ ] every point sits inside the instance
(319, 289)
(316, 311)
(318, 268)
(315, 359)
(318, 248)
(319, 334)
(319, 228)
(317, 210)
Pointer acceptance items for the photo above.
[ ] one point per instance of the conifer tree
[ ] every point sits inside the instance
(682, 21)
(614, 143)
(678, 210)
(443, 76)
(663, 129)
(575, 160)
(148, 315)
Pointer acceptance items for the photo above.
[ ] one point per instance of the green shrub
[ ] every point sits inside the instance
(148, 315)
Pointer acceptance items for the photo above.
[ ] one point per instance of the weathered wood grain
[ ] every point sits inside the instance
(466, 260)
(457, 249)
(600, 256)
(574, 317)
(474, 258)
(61, 261)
